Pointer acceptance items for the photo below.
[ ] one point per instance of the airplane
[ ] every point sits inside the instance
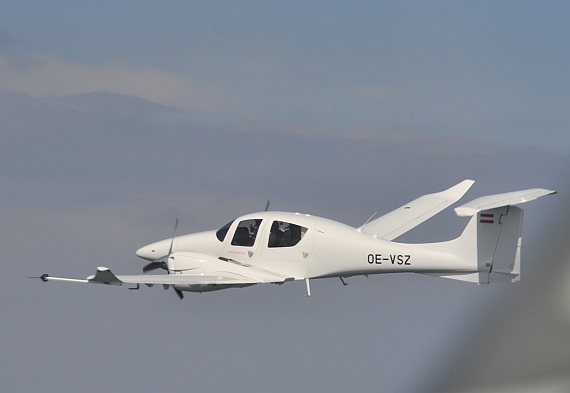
(278, 247)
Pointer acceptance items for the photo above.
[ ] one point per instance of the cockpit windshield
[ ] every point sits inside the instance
(223, 231)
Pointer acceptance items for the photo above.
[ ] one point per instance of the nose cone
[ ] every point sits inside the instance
(150, 252)
(154, 251)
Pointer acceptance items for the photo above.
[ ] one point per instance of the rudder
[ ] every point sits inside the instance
(507, 259)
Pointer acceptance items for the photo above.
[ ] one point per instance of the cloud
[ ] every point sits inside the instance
(43, 75)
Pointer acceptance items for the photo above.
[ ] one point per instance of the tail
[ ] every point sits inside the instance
(491, 242)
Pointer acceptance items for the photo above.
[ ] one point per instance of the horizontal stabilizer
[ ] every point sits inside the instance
(498, 200)
(412, 214)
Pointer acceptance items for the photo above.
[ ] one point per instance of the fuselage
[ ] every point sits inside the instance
(299, 246)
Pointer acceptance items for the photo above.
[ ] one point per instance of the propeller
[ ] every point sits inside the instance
(173, 233)
(155, 265)
(162, 264)
(179, 293)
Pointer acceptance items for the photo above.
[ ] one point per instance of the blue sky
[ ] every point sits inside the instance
(494, 71)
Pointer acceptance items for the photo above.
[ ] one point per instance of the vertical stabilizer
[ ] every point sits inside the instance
(507, 258)
(491, 245)
(496, 229)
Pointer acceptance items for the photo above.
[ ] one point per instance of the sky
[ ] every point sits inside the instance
(116, 119)
(495, 71)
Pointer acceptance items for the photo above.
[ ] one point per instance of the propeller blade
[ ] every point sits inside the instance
(173, 233)
(179, 293)
(155, 265)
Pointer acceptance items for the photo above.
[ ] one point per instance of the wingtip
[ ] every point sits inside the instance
(458, 190)
(467, 183)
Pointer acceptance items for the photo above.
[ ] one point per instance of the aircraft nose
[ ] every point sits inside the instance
(147, 252)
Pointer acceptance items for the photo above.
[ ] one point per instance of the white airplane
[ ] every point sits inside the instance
(277, 247)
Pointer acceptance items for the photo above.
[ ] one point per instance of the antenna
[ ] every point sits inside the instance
(367, 221)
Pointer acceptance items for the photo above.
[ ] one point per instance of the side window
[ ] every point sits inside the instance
(223, 231)
(284, 234)
(246, 232)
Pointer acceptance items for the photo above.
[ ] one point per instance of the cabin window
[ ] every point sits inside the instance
(223, 231)
(285, 234)
(246, 232)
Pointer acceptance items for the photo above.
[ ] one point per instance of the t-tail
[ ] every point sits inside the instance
(490, 244)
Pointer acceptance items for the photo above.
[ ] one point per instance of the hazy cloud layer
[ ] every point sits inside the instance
(87, 179)
(42, 75)
(488, 71)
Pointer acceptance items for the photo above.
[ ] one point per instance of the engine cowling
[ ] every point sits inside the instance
(191, 262)
(199, 263)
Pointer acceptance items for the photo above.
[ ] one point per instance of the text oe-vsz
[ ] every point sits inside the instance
(394, 259)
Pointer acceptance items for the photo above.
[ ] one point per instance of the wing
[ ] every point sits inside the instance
(404, 218)
(228, 272)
